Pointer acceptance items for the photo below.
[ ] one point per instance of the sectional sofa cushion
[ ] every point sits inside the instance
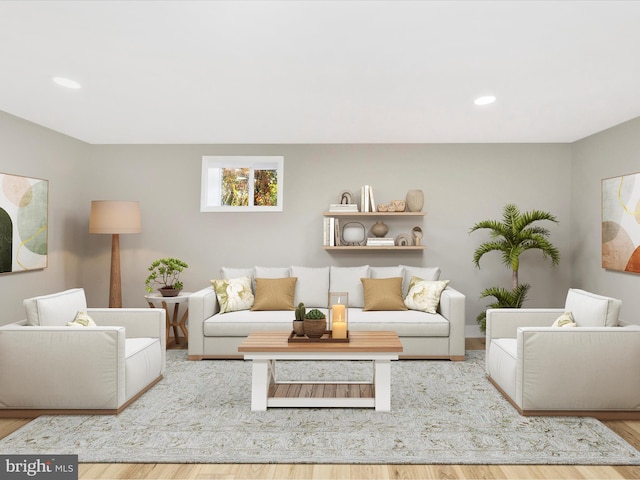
(425, 273)
(386, 272)
(312, 286)
(591, 310)
(347, 279)
(274, 293)
(383, 293)
(55, 310)
(231, 272)
(271, 272)
(233, 294)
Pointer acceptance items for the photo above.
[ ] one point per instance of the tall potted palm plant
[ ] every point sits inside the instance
(512, 236)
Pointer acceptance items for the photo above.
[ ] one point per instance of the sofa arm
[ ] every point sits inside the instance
(138, 322)
(452, 307)
(203, 304)
(62, 367)
(504, 322)
(578, 368)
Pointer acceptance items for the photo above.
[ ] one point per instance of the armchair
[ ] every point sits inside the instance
(588, 370)
(47, 367)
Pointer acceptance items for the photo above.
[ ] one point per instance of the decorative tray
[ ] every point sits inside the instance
(326, 338)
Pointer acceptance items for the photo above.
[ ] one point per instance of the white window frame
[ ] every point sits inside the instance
(210, 190)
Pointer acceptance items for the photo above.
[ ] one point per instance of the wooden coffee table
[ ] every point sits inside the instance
(265, 348)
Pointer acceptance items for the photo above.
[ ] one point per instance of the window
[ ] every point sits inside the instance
(241, 184)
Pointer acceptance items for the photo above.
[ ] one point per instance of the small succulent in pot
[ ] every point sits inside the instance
(298, 323)
(315, 323)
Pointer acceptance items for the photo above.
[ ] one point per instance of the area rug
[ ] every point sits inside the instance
(442, 413)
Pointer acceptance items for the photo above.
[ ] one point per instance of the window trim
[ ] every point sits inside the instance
(239, 161)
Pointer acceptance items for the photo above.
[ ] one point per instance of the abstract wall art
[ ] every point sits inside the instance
(621, 223)
(23, 223)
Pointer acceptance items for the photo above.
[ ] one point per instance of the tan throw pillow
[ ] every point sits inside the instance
(275, 293)
(565, 320)
(82, 320)
(424, 295)
(233, 294)
(383, 293)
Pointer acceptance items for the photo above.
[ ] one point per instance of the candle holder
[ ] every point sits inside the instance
(338, 314)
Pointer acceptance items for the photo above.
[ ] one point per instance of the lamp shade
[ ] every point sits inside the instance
(109, 216)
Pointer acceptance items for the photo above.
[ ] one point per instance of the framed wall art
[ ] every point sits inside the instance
(621, 223)
(24, 204)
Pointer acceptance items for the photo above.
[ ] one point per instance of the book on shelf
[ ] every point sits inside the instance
(380, 242)
(367, 202)
(331, 232)
(343, 207)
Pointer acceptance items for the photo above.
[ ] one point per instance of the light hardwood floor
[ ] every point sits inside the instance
(629, 430)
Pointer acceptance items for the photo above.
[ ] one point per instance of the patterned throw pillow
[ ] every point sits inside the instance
(565, 320)
(233, 294)
(424, 295)
(82, 320)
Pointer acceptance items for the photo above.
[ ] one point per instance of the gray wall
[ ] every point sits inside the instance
(610, 153)
(462, 183)
(33, 151)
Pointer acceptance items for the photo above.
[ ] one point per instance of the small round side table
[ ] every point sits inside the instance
(157, 300)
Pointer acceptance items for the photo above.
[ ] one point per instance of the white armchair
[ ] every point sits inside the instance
(592, 369)
(47, 367)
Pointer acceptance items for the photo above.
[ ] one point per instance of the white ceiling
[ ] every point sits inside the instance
(321, 71)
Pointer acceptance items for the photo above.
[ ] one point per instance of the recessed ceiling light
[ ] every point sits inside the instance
(485, 100)
(66, 82)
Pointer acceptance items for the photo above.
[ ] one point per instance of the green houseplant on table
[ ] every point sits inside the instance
(512, 236)
(315, 323)
(298, 323)
(166, 272)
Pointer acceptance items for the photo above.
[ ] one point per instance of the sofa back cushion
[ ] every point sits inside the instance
(312, 287)
(347, 279)
(55, 310)
(591, 310)
(425, 273)
(386, 272)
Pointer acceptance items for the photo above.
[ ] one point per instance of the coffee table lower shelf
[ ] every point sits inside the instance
(321, 395)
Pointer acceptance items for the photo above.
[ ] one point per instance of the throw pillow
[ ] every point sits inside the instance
(564, 320)
(82, 320)
(275, 293)
(233, 294)
(383, 293)
(424, 295)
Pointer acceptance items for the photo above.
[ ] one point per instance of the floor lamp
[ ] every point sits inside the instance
(115, 217)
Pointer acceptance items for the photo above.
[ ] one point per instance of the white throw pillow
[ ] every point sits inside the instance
(82, 320)
(425, 273)
(564, 320)
(347, 279)
(55, 310)
(591, 310)
(424, 295)
(233, 294)
(312, 287)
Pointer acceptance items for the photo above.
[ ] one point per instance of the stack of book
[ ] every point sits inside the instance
(380, 242)
(331, 232)
(343, 207)
(367, 202)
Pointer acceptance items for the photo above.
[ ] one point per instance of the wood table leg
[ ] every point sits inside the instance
(183, 325)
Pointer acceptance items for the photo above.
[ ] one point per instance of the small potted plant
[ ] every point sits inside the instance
(298, 323)
(166, 272)
(315, 323)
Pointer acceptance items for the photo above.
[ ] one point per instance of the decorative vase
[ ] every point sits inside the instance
(379, 229)
(298, 328)
(315, 327)
(169, 292)
(415, 200)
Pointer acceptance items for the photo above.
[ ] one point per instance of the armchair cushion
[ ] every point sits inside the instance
(55, 310)
(591, 310)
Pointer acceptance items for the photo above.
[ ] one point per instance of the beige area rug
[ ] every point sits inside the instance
(442, 413)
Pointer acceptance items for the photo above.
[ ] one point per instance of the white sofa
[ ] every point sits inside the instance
(587, 370)
(439, 335)
(47, 367)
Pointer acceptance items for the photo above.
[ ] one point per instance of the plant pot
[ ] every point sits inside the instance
(314, 327)
(298, 328)
(169, 292)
